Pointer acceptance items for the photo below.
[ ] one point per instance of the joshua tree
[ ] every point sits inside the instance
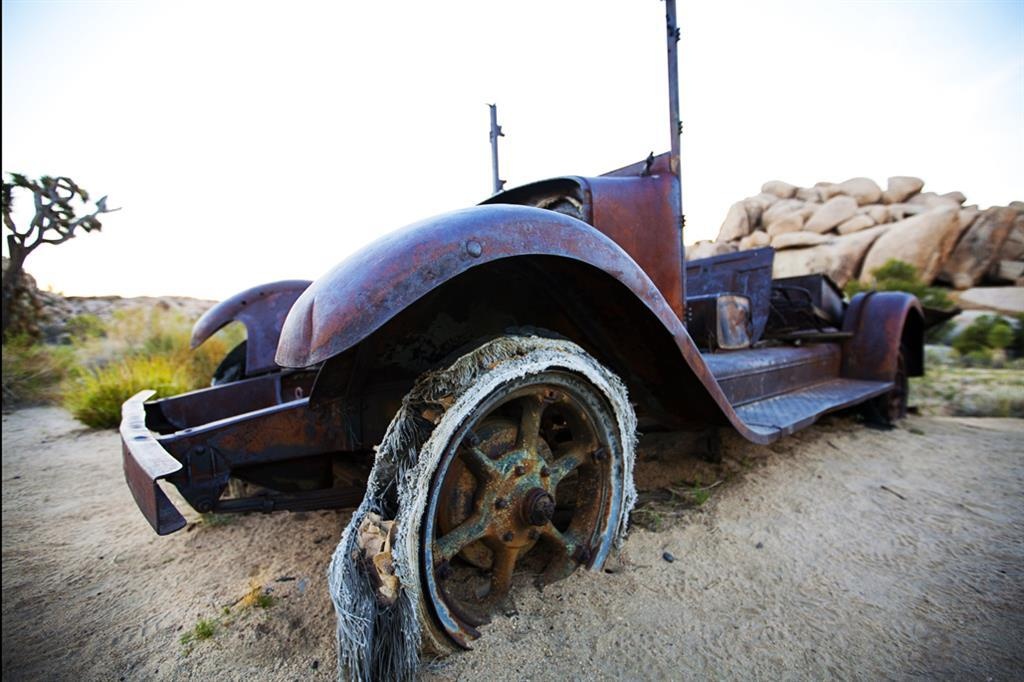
(54, 222)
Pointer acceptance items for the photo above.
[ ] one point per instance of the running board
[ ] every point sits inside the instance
(783, 414)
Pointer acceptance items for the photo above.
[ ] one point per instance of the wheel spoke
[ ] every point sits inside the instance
(477, 461)
(466, 532)
(568, 462)
(501, 573)
(563, 556)
(529, 424)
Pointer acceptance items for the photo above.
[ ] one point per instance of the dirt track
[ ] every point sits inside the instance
(804, 568)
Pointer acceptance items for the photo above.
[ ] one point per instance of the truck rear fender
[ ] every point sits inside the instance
(417, 294)
(262, 310)
(881, 322)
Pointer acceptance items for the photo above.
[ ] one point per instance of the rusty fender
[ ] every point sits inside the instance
(262, 309)
(361, 294)
(880, 322)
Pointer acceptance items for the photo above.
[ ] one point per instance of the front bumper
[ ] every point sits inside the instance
(145, 463)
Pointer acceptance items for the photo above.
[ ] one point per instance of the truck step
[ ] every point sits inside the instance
(784, 414)
(748, 376)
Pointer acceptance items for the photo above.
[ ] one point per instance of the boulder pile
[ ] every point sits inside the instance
(849, 229)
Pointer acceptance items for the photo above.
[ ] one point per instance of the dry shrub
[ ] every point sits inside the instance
(33, 372)
(141, 350)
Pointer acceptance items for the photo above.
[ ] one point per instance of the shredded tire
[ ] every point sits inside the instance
(382, 638)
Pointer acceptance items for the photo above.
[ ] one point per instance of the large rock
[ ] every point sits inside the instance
(782, 190)
(1006, 300)
(706, 249)
(903, 211)
(791, 222)
(831, 213)
(810, 194)
(861, 221)
(779, 209)
(791, 240)
(932, 200)
(968, 214)
(840, 259)
(978, 248)
(736, 224)
(755, 240)
(899, 188)
(1011, 271)
(924, 241)
(864, 190)
(878, 213)
(1013, 247)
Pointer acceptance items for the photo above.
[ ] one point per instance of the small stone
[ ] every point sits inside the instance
(316, 664)
(668, 556)
(759, 545)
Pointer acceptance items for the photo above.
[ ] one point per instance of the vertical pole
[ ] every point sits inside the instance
(495, 134)
(675, 131)
(673, 82)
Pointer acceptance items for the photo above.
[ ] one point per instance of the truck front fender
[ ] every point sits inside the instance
(370, 287)
(262, 310)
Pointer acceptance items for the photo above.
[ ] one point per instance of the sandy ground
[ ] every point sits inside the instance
(839, 552)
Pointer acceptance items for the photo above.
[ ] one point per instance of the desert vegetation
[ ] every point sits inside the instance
(103, 363)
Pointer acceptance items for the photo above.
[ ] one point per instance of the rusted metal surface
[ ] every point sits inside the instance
(228, 400)
(531, 471)
(262, 310)
(747, 273)
(200, 459)
(789, 412)
(145, 463)
(757, 374)
(880, 322)
(637, 206)
(720, 321)
(372, 286)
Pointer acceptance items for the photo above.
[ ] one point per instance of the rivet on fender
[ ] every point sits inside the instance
(473, 248)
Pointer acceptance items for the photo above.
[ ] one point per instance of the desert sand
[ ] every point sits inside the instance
(838, 552)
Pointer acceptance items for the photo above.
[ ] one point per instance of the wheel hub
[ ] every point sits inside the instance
(538, 507)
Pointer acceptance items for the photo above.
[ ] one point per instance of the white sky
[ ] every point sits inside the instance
(248, 142)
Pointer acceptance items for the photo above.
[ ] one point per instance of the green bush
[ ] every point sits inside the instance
(986, 333)
(896, 275)
(33, 372)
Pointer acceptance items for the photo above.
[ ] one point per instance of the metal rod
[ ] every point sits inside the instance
(673, 82)
(495, 134)
(675, 131)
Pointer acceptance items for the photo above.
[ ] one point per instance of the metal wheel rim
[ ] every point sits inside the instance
(588, 534)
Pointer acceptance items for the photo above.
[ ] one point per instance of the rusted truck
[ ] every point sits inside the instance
(522, 343)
